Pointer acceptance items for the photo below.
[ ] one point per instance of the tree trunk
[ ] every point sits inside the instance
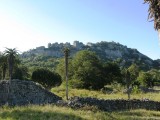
(10, 68)
(128, 82)
(66, 74)
(4, 72)
(128, 91)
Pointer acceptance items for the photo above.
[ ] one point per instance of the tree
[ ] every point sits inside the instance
(87, 68)
(130, 75)
(66, 54)
(3, 65)
(154, 12)
(145, 78)
(134, 71)
(21, 73)
(46, 78)
(12, 57)
(111, 73)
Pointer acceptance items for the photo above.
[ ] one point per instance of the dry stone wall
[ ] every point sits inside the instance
(21, 92)
(113, 105)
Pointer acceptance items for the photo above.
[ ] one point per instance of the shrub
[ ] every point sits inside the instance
(46, 78)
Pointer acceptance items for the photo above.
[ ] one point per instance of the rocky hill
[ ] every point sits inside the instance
(105, 50)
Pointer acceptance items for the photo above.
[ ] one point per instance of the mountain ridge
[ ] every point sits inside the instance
(111, 51)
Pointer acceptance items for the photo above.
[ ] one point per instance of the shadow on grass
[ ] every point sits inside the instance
(37, 115)
(139, 113)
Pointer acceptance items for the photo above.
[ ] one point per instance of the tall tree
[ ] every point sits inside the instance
(134, 71)
(88, 69)
(12, 55)
(66, 54)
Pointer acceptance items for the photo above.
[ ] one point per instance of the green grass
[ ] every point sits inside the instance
(60, 91)
(51, 112)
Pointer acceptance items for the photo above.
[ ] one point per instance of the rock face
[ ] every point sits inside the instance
(20, 92)
(113, 105)
(105, 50)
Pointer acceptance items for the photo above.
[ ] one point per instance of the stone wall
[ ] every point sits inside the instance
(113, 105)
(20, 92)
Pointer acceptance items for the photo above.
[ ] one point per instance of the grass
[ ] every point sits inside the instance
(51, 112)
(60, 91)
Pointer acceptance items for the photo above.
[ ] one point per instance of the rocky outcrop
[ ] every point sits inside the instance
(105, 50)
(113, 105)
(21, 92)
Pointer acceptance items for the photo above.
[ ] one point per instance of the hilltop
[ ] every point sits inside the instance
(107, 51)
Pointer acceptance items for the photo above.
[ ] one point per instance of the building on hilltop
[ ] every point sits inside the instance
(78, 44)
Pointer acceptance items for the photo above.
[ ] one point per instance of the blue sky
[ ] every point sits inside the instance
(26, 24)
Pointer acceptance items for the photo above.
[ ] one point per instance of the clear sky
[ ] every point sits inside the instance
(26, 24)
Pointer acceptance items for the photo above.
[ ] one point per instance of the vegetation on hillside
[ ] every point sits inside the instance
(85, 70)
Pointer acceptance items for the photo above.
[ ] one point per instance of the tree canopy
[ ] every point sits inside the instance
(46, 78)
(12, 57)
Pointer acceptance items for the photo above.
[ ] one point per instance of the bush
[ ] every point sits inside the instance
(46, 78)
(136, 89)
(76, 83)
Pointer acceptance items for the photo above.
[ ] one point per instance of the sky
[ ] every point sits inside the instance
(27, 24)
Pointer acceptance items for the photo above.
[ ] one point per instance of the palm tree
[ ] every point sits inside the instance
(154, 12)
(66, 54)
(3, 64)
(11, 55)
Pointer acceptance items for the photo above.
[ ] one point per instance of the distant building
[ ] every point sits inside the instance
(40, 49)
(78, 44)
(49, 45)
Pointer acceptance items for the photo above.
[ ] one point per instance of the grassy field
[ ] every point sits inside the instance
(51, 112)
(60, 91)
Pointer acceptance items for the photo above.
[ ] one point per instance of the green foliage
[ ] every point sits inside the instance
(136, 89)
(37, 62)
(60, 69)
(145, 79)
(3, 66)
(134, 71)
(130, 75)
(87, 68)
(21, 73)
(76, 83)
(117, 87)
(46, 78)
(12, 58)
(112, 73)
